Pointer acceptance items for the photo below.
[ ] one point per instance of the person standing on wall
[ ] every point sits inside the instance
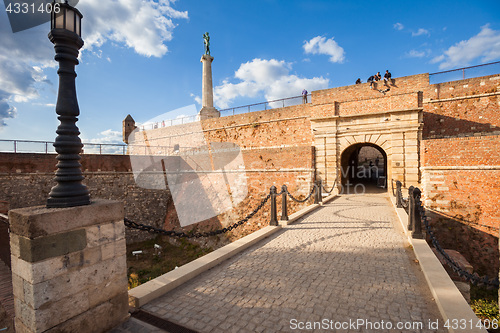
(304, 96)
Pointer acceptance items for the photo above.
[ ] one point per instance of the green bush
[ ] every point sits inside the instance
(485, 309)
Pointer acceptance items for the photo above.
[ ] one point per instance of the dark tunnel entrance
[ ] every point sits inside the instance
(363, 169)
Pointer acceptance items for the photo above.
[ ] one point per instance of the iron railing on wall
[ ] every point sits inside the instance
(46, 147)
(262, 106)
(465, 73)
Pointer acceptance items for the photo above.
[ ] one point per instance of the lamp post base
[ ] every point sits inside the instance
(68, 202)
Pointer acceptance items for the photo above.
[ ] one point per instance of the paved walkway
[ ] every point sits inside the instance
(345, 262)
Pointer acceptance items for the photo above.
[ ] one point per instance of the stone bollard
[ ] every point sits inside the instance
(69, 270)
(411, 208)
(417, 219)
(284, 206)
(274, 215)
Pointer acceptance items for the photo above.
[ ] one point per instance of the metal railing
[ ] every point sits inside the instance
(168, 123)
(46, 147)
(262, 106)
(465, 73)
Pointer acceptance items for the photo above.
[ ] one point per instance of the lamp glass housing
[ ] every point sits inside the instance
(67, 17)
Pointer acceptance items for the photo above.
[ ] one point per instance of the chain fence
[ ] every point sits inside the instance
(331, 190)
(316, 189)
(180, 234)
(313, 189)
(420, 214)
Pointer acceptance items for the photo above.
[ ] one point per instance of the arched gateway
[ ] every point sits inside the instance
(347, 143)
(363, 165)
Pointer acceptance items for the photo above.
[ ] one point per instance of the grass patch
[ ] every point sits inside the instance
(155, 262)
(484, 303)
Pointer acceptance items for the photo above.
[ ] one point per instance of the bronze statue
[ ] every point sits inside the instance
(206, 41)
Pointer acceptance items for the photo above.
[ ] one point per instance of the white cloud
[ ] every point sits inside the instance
(398, 26)
(415, 54)
(108, 136)
(418, 54)
(321, 45)
(271, 78)
(196, 98)
(107, 142)
(421, 32)
(485, 45)
(144, 26)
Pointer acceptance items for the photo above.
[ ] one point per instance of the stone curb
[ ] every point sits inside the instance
(449, 300)
(159, 286)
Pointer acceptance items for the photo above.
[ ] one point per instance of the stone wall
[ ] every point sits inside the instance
(69, 268)
(26, 180)
(460, 152)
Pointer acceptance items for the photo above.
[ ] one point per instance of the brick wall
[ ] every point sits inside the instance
(461, 179)
(400, 85)
(26, 180)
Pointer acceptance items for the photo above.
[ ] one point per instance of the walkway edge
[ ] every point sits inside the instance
(449, 300)
(159, 286)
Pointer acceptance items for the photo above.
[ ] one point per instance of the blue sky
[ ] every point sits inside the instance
(143, 57)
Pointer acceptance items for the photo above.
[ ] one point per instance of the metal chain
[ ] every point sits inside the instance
(474, 278)
(333, 187)
(180, 234)
(300, 201)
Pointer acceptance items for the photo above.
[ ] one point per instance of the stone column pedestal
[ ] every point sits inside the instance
(69, 270)
(207, 98)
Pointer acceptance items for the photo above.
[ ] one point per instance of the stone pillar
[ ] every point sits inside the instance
(69, 270)
(207, 99)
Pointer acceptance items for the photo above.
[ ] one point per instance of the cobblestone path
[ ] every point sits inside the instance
(344, 262)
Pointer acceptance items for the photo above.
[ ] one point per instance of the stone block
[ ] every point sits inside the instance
(50, 268)
(101, 318)
(101, 234)
(14, 245)
(18, 286)
(72, 283)
(58, 278)
(105, 270)
(397, 150)
(41, 248)
(40, 320)
(40, 221)
(107, 290)
(112, 250)
(20, 327)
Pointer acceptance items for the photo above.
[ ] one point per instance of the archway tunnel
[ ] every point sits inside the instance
(363, 167)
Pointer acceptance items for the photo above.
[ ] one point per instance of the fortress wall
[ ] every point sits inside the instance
(358, 92)
(276, 148)
(26, 180)
(33, 163)
(461, 108)
(288, 126)
(460, 158)
(142, 205)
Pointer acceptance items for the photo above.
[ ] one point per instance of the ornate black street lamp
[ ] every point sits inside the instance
(65, 34)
